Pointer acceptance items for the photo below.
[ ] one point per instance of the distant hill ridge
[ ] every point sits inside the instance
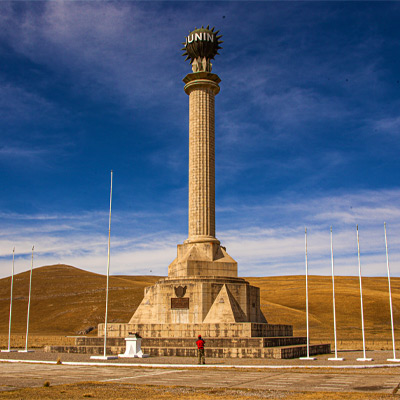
(67, 300)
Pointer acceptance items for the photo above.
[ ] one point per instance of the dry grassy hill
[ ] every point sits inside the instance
(283, 301)
(67, 300)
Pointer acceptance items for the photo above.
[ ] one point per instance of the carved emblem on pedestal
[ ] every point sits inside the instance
(180, 291)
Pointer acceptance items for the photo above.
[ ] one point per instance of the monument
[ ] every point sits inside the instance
(203, 293)
(202, 286)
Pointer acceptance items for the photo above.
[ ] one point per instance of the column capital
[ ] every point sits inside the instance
(202, 239)
(201, 78)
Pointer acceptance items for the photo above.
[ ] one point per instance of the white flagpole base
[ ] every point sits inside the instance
(104, 357)
(393, 359)
(365, 359)
(8, 351)
(307, 358)
(336, 359)
(26, 351)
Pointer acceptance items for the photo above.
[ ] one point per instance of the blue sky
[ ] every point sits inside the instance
(307, 133)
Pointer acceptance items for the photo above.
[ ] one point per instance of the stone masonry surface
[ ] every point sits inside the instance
(201, 160)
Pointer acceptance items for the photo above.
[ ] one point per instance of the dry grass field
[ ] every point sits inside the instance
(145, 392)
(283, 301)
(68, 300)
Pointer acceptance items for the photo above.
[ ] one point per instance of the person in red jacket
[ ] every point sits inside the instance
(200, 350)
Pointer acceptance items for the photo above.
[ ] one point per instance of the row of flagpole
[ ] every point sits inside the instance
(29, 307)
(364, 358)
(104, 356)
(336, 358)
(390, 298)
(30, 292)
(11, 298)
(307, 321)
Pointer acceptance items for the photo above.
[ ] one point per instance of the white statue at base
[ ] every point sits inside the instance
(133, 347)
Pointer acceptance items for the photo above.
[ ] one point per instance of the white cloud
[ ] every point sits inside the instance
(280, 249)
(388, 125)
(22, 110)
(27, 154)
(109, 49)
(271, 244)
(19, 105)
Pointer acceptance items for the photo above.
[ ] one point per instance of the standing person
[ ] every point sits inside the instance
(200, 350)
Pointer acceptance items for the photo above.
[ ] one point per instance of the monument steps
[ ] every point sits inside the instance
(190, 331)
(254, 347)
(190, 342)
(277, 352)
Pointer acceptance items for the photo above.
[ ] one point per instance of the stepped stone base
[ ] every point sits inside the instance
(197, 300)
(202, 287)
(255, 342)
(223, 330)
(202, 295)
(247, 340)
(273, 347)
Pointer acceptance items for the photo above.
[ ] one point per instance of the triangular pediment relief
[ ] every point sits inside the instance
(193, 254)
(225, 309)
(223, 257)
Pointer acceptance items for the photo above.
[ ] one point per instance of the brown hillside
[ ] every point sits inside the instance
(66, 300)
(283, 301)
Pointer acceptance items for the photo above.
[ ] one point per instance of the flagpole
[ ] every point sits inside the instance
(11, 299)
(108, 267)
(336, 358)
(29, 307)
(105, 357)
(390, 299)
(308, 331)
(364, 358)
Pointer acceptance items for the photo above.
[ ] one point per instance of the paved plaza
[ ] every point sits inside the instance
(18, 372)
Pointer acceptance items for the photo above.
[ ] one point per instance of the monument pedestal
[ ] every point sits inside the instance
(202, 287)
(235, 340)
(173, 332)
(133, 348)
(208, 258)
(202, 295)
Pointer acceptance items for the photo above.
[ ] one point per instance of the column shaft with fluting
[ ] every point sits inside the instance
(201, 88)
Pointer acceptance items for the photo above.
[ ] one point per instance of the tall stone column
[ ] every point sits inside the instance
(202, 286)
(201, 254)
(201, 88)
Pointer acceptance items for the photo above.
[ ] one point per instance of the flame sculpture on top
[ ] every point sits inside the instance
(201, 46)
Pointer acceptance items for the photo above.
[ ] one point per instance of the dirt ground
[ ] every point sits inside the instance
(118, 391)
